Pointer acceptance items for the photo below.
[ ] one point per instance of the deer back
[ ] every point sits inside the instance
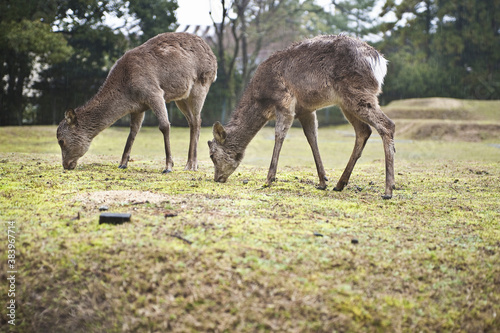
(170, 61)
(319, 72)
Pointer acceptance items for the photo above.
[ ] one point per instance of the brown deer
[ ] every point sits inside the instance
(294, 83)
(176, 67)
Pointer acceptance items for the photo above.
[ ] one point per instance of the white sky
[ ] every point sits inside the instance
(196, 12)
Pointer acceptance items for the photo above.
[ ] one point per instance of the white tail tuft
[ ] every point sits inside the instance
(379, 68)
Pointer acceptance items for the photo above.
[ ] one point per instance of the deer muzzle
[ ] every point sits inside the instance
(220, 179)
(70, 165)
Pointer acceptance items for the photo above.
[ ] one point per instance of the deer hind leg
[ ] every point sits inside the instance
(160, 110)
(310, 126)
(135, 125)
(363, 132)
(386, 131)
(284, 120)
(370, 112)
(191, 108)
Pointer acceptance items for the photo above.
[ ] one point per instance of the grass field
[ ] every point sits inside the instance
(200, 256)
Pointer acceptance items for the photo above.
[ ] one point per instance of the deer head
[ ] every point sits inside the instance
(225, 157)
(72, 140)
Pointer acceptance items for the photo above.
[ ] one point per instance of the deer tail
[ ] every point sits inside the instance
(378, 65)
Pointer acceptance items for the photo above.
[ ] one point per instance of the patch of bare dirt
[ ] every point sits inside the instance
(445, 119)
(429, 114)
(447, 130)
(428, 108)
(121, 197)
(432, 102)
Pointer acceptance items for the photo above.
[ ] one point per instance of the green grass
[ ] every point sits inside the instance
(238, 257)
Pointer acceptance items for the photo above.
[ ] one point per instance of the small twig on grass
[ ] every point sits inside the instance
(180, 237)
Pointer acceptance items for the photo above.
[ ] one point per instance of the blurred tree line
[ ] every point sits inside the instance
(447, 48)
(56, 53)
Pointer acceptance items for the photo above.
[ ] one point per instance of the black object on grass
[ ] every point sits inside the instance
(114, 218)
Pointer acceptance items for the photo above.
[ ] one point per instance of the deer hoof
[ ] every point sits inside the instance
(321, 187)
(191, 166)
(387, 196)
(337, 189)
(167, 171)
(122, 166)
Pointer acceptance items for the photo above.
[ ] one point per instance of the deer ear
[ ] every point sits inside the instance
(220, 134)
(70, 117)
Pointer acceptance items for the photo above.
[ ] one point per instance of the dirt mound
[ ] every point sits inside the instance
(447, 130)
(429, 108)
(433, 102)
(445, 119)
(121, 197)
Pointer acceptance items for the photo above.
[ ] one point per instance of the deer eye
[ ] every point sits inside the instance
(61, 142)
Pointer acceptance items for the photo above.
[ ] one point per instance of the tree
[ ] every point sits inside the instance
(26, 39)
(71, 83)
(443, 48)
(468, 40)
(355, 16)
(154, 17)
(71, 47)
(249, 32)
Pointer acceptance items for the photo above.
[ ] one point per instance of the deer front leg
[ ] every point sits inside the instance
(165, 129)
(135, 125)
(283, 124)
(160, 110)
(310, 126)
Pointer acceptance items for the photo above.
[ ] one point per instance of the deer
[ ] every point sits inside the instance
(177, 67)
(293, 84)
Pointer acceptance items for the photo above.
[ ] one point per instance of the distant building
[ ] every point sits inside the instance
(207, 32)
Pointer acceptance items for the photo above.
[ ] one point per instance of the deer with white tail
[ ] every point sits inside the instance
(176, 67)
(294, 83)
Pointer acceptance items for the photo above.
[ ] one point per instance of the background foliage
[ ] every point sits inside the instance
(55, 54)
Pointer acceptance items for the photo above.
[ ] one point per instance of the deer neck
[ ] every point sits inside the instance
(246, 121)
(102, 111)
